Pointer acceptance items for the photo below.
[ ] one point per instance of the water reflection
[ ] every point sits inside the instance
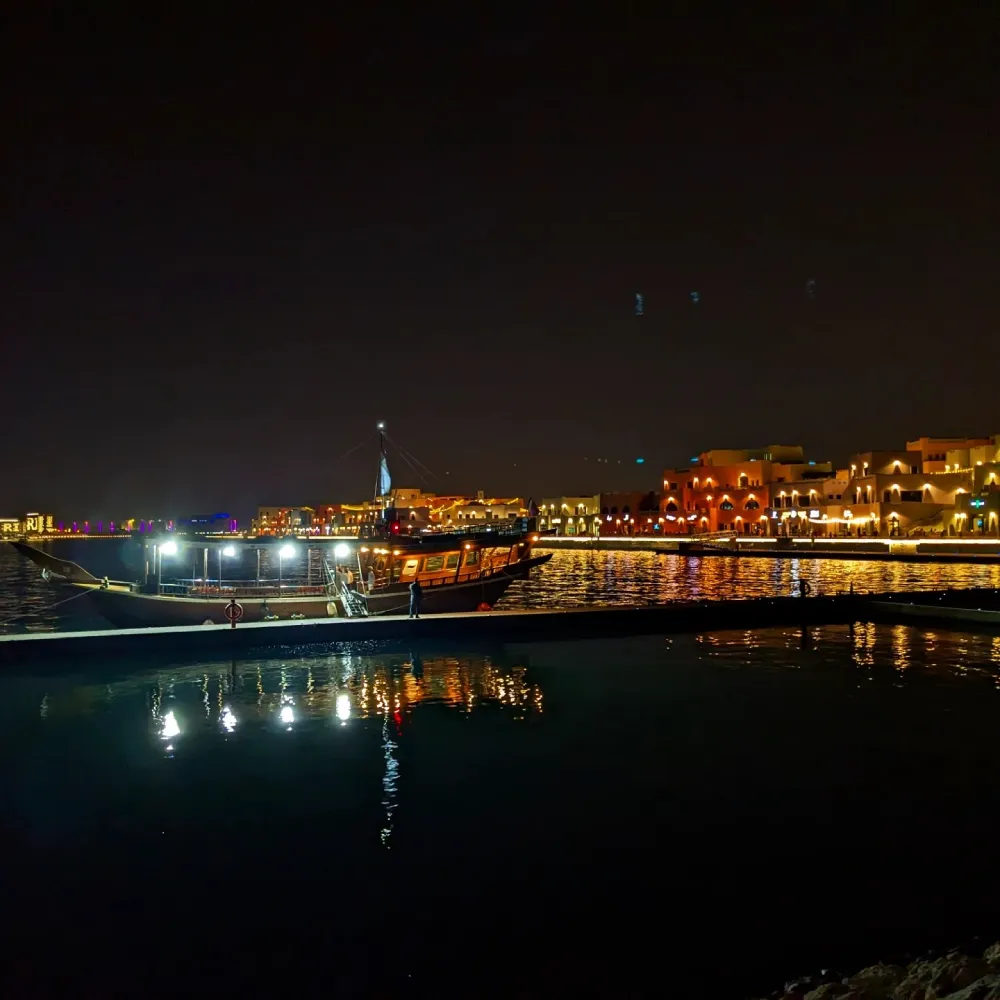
(894, 653)
(188, 706)
(580, 578)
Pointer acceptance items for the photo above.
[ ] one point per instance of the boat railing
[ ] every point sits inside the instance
(240, 588)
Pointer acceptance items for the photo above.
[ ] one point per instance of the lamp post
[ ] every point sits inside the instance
(228, 551)
(285, 552)
(166, 549)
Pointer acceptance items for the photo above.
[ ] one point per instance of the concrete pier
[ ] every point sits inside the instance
(224, 642)
(502, 626)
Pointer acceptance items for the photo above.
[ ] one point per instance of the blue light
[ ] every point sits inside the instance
(639, 461)
(695, 459)
(811, 462)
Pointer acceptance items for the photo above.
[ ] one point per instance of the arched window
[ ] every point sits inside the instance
(671, 506)
(751, 505)
(614, 510)
(887, 496)
(726, 505)
(744, 482)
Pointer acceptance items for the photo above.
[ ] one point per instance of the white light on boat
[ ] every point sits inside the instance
(170, 727)
(228, 719)
(168, 549)
(342, 551)
(287, 714)
(286, 551)
(229, 551)
(343, 707)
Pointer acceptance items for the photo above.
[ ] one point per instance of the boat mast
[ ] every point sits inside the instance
(382, 475)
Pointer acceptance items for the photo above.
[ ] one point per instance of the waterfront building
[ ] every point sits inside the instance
(934, 455)
(480, 510)
(889, 494)
(570, 515)
(731, 489)
(630, 513)
(30, 524)
(283, 520)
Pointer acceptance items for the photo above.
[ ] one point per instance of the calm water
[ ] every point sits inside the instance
(693, 817)
(571, 579)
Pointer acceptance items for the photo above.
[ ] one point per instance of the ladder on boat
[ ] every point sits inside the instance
(317, 572)
(355, 606)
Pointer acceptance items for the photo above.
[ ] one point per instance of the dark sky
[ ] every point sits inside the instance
(230, 246)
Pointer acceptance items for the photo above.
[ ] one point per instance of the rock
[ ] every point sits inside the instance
(934, 979)
(992, 954)
(834, 991)
(987, 988)
(877, 982)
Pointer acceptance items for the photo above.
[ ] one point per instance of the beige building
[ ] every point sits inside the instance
(934, 455)
(570, 515)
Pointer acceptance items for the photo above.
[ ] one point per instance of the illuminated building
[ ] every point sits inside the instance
(732, 490)
(630, 513)
(479, 510)
(577, 515)
(934, 455)
(32, 524)
(889, 494)
(283, 520)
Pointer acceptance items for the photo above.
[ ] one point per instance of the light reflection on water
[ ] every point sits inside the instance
(533, 786)
(577, 578)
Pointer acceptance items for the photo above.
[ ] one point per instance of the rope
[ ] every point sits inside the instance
(51, 607)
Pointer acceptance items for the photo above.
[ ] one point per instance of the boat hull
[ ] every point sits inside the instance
(125, 608)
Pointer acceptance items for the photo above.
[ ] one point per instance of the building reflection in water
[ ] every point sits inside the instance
(904, 649)
(187, 704)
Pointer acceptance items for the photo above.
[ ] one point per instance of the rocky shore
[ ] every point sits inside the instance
(953, 976)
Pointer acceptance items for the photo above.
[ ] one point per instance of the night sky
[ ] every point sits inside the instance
(231, 246)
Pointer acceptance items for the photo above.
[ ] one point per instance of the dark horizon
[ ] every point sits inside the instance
(232, 247)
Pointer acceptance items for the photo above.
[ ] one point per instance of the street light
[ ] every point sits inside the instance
(342, 551)
(285, 552)
(228, 551)
(166, 549)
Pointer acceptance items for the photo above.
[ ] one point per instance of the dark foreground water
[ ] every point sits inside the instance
(570, 579)
(693, 817)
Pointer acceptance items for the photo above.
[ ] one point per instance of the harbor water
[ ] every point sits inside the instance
(701, 816)
(570, 579)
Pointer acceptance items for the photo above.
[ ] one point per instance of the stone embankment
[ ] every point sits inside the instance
(953, 976)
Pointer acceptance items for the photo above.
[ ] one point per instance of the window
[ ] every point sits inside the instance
(751, 505)
(804, 500)
(673, 486)
(671, 506)
(726, 505)
(452, 561)
(887, 496)
(914, 469)
(911, 496)
(433, 564)
(472, 557)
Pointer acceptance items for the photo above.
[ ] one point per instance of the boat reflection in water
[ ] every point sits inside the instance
(192, 706)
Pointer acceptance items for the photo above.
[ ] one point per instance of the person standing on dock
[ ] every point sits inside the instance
(416, 591)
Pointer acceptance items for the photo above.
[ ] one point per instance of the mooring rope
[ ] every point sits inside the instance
(51, 607)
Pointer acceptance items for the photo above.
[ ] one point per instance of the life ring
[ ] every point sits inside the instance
(483, 606)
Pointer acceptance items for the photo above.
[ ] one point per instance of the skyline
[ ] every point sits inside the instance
(231, 251)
